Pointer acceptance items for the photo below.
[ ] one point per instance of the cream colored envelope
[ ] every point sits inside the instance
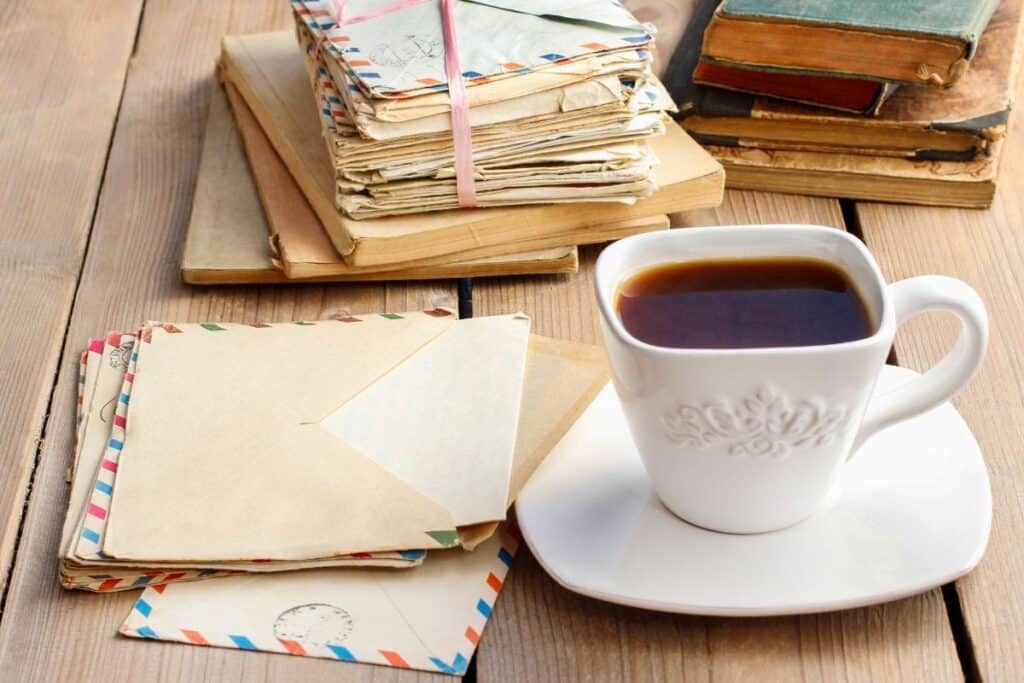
(224, 458)
(107, 363)
(82, 563)
(463, 453)
(430, 618)
(86, 386)
(400, 53)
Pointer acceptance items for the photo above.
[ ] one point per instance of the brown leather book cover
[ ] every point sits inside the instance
(954, 124)
(846, 94)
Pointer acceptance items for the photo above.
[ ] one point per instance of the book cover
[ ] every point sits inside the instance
(844, 94)
(958, 123)
(963, 20)
(914, 41)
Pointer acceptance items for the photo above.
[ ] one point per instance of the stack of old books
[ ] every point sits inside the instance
(865, 99)
(353, 153)
(365, 446)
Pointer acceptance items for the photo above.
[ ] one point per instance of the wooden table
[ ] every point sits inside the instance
(102, 111)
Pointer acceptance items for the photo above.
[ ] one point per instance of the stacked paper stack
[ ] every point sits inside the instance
(365, 456)
(363, 441)
(562, 139)
(562, 101)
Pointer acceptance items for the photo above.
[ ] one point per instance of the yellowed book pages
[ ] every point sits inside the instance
(969, 184)
(268, 71)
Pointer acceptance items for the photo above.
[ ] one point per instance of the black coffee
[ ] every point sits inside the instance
(743, 303)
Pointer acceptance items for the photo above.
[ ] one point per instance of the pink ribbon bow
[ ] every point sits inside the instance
(462, 136)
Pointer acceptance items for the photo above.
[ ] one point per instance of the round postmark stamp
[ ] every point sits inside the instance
(316, 624)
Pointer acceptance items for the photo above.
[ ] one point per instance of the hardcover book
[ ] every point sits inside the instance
(922, 42)
(957, 124)
(860, 96)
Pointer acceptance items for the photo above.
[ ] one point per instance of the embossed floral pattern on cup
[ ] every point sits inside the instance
(766, 424)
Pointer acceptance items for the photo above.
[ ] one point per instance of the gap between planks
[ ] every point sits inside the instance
(954, 610)
(80, 268)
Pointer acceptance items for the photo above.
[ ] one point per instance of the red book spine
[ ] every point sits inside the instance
(828, 91)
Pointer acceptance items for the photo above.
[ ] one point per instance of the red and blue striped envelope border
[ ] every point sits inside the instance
(138, 625)
(98, 506)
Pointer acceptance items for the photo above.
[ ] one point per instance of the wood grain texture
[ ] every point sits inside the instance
(542, 632)
(57, 110)
(986, 249)
(130, 275)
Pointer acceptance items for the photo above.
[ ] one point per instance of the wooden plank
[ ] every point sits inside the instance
(541, 631)
(47, 634)
(57, 111)
(986, 249)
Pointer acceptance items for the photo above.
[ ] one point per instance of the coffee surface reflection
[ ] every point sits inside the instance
(743, 303)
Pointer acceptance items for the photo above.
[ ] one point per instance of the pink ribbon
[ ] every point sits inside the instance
(462, 136)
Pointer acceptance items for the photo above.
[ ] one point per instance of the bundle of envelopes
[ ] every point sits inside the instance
(864, 99)
(213, 449)
(562, 100)
(282, 123)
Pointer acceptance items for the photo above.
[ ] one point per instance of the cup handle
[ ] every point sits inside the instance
(912, 297)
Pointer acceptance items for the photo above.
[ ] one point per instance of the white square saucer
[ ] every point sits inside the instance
(913, 512)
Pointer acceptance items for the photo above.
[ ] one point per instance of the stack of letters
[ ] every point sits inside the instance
(349, 136)
(362, 446)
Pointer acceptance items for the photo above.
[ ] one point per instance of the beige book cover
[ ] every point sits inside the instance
(269, 73)
(227, 236)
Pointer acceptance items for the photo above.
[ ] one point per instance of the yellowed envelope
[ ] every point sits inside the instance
(561, 378)
(87, 373)
(224, 458)
(82, 565)
(107, 364)
(430, 618)
(463, 452)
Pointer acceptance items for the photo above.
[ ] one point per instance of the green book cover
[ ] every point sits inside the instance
(964, 20)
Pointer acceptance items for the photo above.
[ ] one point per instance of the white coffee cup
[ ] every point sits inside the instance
(754, 439)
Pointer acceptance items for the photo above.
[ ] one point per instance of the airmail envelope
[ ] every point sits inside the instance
(302, 441)
(102, 412)
(429, 618)
(401, 52)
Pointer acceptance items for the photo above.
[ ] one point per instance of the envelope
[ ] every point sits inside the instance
(401, 53)
(86, 386)
(430, 618)
(561, 379)
(415, 619)
(83, 564)
(220, 403)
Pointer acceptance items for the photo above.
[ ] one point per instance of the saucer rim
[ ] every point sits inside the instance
(769, 611)
(797, 608)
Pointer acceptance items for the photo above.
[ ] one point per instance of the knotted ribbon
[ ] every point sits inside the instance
(462, 137)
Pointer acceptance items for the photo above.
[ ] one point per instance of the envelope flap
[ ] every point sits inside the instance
(445, 421)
